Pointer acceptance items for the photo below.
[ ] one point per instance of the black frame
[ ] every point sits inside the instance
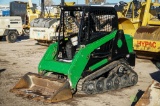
(89, 9)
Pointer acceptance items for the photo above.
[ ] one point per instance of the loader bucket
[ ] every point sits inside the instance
(37, 87)
(147, 38)
(148, 33)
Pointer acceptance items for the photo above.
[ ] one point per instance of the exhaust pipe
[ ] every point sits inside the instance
(62, 2)
(42, 9)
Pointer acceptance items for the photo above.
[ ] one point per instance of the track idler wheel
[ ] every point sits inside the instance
(108, 84)
(133, 79)
(89, 87)
(100, 84)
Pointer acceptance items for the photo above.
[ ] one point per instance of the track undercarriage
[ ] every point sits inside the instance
(114, 76)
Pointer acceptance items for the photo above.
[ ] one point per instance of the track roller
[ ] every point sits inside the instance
(116, 82)
(124, 80)
(100, 84)
(108, 84)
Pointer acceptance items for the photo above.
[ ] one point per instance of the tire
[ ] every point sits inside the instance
(116, 82)
(11, 37)
(1, 37)
(26, 31)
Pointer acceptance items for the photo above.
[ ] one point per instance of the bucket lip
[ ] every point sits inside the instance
(45, 77)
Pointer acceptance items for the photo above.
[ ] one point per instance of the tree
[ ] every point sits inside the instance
(98, 1)
(48, 2)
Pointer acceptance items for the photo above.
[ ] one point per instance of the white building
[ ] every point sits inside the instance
(3, 7)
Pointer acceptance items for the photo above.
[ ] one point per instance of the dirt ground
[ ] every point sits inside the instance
(21, 57)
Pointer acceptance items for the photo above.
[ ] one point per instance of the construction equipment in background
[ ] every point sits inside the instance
(28, 11)
(45, 30)
(94, 57)
(11, 28)
(142, 21)
(151, 97)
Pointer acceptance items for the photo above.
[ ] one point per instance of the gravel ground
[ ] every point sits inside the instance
(21, 57)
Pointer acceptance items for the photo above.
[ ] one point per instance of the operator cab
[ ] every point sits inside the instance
(82, 25)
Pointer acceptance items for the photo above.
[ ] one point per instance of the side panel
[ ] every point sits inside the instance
(10, 23)
(46, 34)
(129, 41)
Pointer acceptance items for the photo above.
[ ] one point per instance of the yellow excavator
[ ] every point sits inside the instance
(142, 21)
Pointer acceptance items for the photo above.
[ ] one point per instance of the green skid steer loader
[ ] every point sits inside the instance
(91, 56)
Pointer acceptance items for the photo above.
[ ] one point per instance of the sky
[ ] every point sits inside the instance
(58, 1)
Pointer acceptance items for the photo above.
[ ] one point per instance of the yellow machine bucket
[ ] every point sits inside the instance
(37, 87)
(147, 39)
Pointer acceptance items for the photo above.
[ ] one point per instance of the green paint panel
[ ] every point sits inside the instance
(49, 55)
(119, 43)
(97, 65)
(129, 40)
(55, 66)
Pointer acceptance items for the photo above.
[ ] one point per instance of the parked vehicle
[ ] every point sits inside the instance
(11, 28)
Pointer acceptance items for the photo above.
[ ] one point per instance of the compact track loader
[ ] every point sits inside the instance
(94, 57)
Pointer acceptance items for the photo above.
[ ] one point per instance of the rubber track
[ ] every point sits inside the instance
(101, 71)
